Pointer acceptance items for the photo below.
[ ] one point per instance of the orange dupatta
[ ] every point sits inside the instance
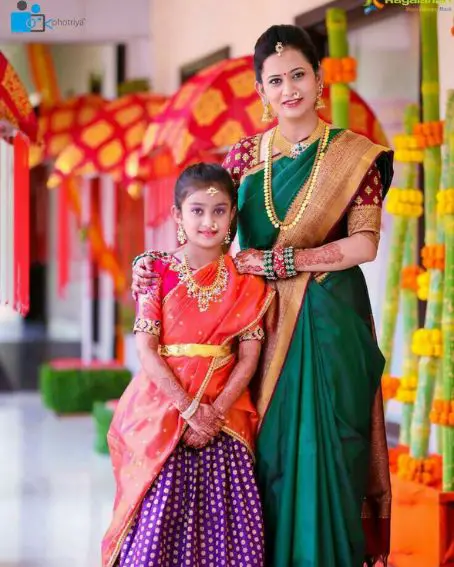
(146, 427)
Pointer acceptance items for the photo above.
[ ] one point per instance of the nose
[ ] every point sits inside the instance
(208, 221)
(287, 86)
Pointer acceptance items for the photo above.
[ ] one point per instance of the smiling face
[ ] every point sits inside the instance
(206, 215)
(289, 84)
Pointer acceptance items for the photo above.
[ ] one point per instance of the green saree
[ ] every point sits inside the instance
(321, 450)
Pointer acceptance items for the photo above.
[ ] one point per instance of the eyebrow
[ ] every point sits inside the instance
(292, 71)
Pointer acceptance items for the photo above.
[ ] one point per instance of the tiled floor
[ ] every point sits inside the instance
(56, 493)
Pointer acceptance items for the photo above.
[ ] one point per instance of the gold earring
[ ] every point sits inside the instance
(181, 234)
(319, 104)
(228, 237)
(267, 115)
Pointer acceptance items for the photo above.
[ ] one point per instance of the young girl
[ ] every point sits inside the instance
(182, 436)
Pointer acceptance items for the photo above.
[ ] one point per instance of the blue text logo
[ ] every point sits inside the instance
(25, 21)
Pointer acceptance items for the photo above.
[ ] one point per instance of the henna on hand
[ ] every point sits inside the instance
(196, 440)
(250, 262)
(328, 254)
(206, 420)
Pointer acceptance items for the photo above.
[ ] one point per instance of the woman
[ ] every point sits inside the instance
(309, 200)
(183, 433)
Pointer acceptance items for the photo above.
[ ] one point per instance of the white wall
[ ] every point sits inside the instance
(183, 31)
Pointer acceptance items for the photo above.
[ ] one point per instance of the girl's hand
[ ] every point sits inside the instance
(250, 261)
(206, 421)
(142, 276)
(196, 440)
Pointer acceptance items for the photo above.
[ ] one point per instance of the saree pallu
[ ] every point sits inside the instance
(321, 449)
(146, 428)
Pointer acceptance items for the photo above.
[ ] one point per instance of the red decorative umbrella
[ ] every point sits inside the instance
(104, 143)
(17, 126)
(212, 110)
(16, 112)
(57, 122)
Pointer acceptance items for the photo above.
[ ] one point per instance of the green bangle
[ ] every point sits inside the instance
(289, 261)
(137, 258)
(270, 274)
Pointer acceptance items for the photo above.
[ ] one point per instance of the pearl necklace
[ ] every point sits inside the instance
(267, 189)
(204, 294)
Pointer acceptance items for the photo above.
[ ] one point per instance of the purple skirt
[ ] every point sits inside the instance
(203, 510)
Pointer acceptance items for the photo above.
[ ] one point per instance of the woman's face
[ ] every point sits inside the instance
(289, 84)
(206, 215)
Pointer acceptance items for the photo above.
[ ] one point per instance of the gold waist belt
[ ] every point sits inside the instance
(206, 351)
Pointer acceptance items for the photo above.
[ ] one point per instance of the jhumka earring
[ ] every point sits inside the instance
(319, 104)
(267, 115)
(228, 237)
(181, 234)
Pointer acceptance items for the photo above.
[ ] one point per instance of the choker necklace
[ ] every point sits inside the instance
(205, 294)
(291, 150)
(267, 189)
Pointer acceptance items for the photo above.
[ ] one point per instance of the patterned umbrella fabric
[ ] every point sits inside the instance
(213, 109)
(104, 143)
(57, 122)
(16, 112)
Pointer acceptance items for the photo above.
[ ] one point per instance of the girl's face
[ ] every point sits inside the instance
(206, 215)
(289, 84)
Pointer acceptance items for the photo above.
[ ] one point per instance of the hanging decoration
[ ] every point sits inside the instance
(17, 126)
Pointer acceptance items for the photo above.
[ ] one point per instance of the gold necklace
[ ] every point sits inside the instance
(208, 293)
(267, 189)
(291, 150)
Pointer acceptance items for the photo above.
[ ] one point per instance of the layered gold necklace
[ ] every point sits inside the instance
(292, 150)
(267, 187)
(205, 294)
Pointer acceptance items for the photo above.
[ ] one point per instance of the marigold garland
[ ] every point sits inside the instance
(429, 134)
(433, 257)
(339, 70)
(424, 471)
(427, 342)
(406, 149)
(442, 413)
(445, 202)
(407, 390)
(389, 386)
(405, 202)
(409, 278)
(423, 285)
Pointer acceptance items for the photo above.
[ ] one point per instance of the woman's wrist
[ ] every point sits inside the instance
(191, 410)
(268, 265)
(183, 402)
(284, 262)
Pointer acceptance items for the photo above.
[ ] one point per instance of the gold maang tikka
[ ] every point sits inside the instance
(279, 48)
(211, 191)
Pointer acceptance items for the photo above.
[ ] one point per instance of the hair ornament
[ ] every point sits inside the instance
(212, 191)
(279, 48)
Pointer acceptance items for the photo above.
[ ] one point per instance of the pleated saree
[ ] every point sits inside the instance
(321, 452)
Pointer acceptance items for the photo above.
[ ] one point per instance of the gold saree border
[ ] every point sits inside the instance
(348, 158)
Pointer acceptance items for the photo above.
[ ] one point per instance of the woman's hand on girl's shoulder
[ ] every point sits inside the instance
(143, 276)
(250, 261)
